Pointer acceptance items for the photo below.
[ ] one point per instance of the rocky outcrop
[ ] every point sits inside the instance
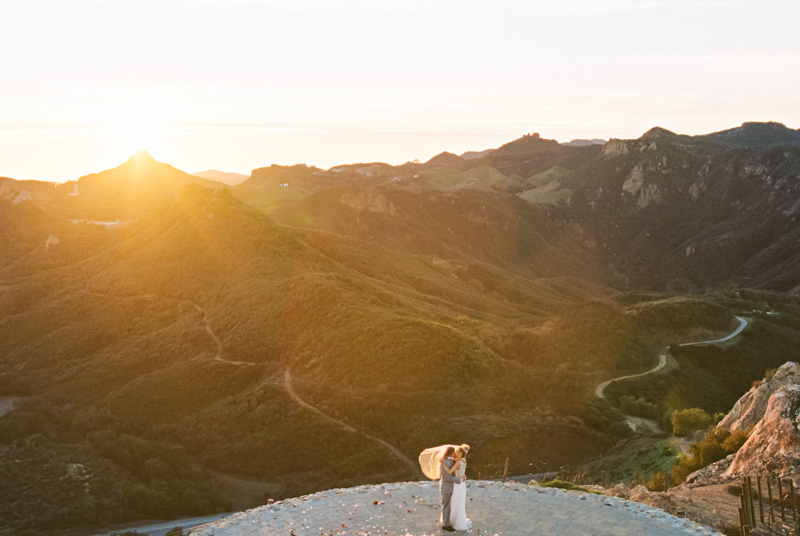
(774, 444)
(635, 180)
(711, 474)
(638, 494)
(750, 409)
(615, 148)
(771, 410)
(51, 241)
(368, 201)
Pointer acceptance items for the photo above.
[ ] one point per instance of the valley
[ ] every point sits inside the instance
(308, 328)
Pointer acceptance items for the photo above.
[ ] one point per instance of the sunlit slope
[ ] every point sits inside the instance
(127, 192)
(464, 225)
(208, 300)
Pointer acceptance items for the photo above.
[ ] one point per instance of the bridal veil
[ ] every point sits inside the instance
(429, 460)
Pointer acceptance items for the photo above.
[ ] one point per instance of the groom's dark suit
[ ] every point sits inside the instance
(446, 482)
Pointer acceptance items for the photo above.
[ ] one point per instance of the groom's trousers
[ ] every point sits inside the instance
(446, 509)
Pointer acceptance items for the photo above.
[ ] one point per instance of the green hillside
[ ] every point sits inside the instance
(221, 346)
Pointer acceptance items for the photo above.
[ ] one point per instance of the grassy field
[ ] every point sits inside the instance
(643, 456)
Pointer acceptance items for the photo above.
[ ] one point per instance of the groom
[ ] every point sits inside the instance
(446, 482)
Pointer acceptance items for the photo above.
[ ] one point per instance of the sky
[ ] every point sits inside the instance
(240, 84)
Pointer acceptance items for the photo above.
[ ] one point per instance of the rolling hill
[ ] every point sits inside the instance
(219, 345)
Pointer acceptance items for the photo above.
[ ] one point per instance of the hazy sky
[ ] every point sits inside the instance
(240, 84)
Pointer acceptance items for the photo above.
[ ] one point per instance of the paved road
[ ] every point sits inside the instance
(599, 391)
(742, 324)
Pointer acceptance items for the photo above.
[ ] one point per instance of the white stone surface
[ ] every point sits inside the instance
(412, 508)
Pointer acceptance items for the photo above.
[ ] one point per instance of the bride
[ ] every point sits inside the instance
(458, 503)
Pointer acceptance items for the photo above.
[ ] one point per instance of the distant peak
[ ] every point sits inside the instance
(580, 142)
(445, 158)
(658, 132)
(753, 134)
(141, 156)
(774, 125)
(531, 141)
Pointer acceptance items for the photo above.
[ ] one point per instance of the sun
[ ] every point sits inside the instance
(137, 128)
(139, 133)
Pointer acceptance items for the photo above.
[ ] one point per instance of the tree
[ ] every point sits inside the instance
(686, 421)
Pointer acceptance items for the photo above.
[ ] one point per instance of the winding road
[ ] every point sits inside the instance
(599, 391)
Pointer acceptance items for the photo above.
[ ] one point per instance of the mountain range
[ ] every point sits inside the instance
(194, 345)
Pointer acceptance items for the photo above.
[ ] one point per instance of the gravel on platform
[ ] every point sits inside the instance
(412, 508)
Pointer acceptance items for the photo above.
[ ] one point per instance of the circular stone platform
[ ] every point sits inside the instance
(411, 508)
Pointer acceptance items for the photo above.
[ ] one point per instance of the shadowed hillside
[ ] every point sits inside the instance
(683, 212)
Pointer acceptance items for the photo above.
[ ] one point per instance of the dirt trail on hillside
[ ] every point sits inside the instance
(217, 356)
(287, 383)
(209, 330)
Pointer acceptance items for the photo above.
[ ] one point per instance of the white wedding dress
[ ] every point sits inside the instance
(458, 502)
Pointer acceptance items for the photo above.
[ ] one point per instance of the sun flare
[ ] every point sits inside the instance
(137, 129)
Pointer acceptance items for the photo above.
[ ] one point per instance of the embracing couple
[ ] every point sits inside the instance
(448, 464)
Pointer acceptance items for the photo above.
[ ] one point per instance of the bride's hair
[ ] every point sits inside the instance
(464, 448)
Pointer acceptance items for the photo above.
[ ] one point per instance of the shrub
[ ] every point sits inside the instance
(660, 481)
(665, 422)
(143, 500)
(91, 419)
(560, 484)
(620, 429)
(686, 421)
(717, 444)
(736, 440)
(639, 407)
(734, 489)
